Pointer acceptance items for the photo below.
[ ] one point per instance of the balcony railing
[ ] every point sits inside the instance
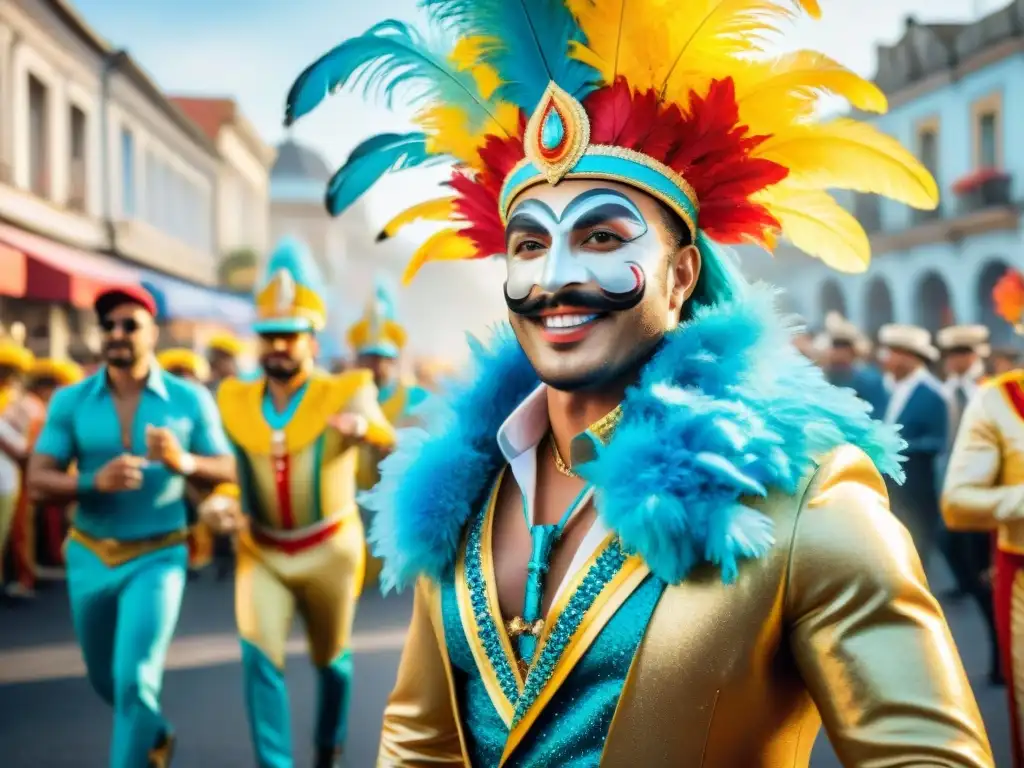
(989, 191)
(919, 217)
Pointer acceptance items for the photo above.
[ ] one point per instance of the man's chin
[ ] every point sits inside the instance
(278, 374)
(120, 362)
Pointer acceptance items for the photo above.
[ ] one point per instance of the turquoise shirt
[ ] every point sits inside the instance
(82, 427)
(571, 730)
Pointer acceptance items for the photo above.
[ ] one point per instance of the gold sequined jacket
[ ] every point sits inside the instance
(835, 626)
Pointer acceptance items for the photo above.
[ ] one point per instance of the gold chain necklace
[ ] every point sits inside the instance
(560, 465)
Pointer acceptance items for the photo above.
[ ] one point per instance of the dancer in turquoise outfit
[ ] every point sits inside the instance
(135, 433)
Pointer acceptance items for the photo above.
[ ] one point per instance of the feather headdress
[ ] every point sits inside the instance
(678, 98)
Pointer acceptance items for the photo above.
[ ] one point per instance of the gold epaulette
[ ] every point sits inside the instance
(1003, 378)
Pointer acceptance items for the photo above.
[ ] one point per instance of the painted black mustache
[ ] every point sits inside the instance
(599, 301)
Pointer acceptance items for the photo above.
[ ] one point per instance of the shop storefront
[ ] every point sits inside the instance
(49, 288)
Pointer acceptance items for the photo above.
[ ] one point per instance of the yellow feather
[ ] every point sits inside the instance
(787, 89)
(846, 154)
(623, 39)
(449, 129)
(810, 7)
(440, 209)
(816, 224)
(705, 31)
(446, 245)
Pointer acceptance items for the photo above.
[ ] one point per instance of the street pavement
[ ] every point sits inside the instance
(49, 718)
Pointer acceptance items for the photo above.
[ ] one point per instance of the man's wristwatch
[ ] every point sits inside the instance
(187, 464)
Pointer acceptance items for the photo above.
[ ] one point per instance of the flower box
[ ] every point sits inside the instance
(983, 188)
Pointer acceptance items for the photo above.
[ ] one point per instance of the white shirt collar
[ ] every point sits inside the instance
(518, 438)
(901, 391)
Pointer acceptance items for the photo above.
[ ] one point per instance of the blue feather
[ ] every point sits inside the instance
(728, 383)
(390, 56)
(529, 43)
(371, 160)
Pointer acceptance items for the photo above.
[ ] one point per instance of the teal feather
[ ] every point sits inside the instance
(390, 57)
(529, 48)
(370, 161)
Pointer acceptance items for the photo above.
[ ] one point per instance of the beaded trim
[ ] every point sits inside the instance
(487, 629)
(568, 622)
(509, 192)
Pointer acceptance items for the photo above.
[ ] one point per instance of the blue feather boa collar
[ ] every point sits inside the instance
(725, 411)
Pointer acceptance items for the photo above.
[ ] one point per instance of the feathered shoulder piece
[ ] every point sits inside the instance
(677, 98)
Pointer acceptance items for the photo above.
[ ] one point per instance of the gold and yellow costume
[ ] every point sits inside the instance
(984, 491)
(303, 550)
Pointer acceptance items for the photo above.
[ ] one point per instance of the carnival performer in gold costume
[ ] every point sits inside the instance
(645, 532)
(297, 433)
(984, 491)
(377, 340)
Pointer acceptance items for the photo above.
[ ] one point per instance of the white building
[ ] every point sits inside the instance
(101, 176)
(243, 179)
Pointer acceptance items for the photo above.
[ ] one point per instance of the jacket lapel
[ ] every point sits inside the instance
(594, 595)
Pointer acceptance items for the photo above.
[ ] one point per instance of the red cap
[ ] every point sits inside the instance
(114, 296)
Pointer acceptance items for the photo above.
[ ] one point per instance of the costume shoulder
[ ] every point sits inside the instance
(1003, 380)
(233, 389)
(240, 405)
(844, 524)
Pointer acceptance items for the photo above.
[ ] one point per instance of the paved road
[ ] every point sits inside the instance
(50, 719)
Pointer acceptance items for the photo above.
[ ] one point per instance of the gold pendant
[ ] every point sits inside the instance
(520, 626)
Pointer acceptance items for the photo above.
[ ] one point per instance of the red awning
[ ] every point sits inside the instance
(60, 273)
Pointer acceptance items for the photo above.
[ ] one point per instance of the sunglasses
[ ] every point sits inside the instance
(128, 325)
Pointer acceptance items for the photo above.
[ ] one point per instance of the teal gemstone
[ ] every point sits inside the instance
(552, 131)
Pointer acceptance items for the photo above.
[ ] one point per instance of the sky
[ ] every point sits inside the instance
(252, 50)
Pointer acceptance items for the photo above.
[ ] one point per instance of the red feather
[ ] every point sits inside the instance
(704, 142)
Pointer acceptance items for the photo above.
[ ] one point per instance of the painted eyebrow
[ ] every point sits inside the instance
(604, 213)
(617, 198)
(522, 222)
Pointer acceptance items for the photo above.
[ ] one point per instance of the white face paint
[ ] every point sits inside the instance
(599, 237)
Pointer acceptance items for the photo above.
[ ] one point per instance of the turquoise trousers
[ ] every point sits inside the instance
(124, 618)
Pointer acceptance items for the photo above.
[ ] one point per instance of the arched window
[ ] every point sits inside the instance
(933, 305)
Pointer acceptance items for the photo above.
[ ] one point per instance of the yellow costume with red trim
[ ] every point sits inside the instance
(303, 550)
(984, 491)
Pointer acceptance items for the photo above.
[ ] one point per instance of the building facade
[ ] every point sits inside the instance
(101, 177)
(243, 178)
(955, 91)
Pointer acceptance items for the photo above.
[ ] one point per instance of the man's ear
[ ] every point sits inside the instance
(685, 270)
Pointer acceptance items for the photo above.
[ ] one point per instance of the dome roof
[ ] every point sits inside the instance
(299, 174)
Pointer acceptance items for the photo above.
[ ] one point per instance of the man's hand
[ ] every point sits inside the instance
(222, 514)
(349, 424)
(121, 474)
(162, 445)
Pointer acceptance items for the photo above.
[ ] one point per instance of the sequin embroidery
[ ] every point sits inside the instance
(600, 574)
(487, 628)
